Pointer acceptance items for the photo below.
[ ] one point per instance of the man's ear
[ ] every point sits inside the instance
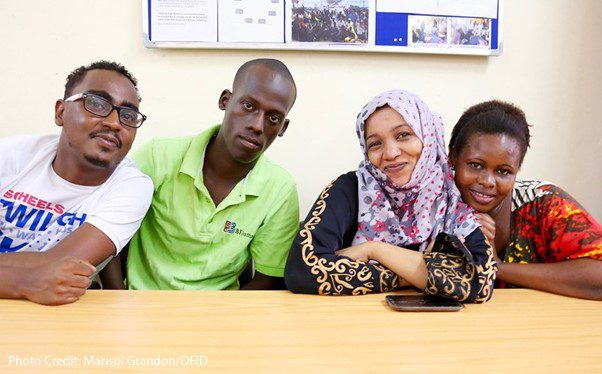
(284, 127)
(59, 109)
(224, 99)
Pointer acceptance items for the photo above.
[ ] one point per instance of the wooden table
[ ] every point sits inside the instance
(276, 331)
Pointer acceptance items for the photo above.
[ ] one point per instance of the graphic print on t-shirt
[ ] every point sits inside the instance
(30, 223)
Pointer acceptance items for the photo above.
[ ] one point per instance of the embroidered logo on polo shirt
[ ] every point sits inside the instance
(230, 228)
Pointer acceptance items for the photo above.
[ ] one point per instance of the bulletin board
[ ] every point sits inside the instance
(464, 27)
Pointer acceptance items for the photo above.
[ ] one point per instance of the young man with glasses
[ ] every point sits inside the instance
(70, 202)
(218, 202)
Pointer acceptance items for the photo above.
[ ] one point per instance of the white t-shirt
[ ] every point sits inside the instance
(38, 208)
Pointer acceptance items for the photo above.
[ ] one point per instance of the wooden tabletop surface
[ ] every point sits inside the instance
(277, 331)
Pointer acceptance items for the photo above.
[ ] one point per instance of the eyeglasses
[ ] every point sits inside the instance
(101, 107)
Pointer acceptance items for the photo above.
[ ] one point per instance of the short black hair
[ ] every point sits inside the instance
(276, 66)
(77, 75)
(491, 117)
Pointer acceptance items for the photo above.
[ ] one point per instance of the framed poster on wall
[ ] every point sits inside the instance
(467, 27)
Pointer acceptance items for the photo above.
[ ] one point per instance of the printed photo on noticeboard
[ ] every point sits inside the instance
(470, 32)
(330, 21)
(428, 31)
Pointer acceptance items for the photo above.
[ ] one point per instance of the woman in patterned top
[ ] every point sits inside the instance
(397, 220)
(543, 238)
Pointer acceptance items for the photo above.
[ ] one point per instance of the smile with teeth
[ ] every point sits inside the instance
(481, 197)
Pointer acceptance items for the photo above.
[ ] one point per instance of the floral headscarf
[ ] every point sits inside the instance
(429, 203)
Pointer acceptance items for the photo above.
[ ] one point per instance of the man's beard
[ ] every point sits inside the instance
(98, 162)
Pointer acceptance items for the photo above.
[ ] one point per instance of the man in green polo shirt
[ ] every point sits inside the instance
(218, 202)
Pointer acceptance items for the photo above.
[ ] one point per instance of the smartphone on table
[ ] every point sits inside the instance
(422, 303)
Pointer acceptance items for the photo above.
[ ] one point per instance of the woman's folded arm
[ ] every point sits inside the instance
(463, 270)
(313, 265)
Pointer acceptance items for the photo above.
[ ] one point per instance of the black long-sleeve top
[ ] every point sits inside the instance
(459, 269)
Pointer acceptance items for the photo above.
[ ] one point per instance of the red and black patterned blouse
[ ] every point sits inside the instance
(549, 225)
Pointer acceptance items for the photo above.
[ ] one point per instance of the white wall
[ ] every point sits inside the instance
(550, 67)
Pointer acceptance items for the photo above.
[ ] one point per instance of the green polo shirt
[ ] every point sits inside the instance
(186, 242)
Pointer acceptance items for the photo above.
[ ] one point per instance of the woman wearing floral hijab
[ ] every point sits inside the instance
(398, 220)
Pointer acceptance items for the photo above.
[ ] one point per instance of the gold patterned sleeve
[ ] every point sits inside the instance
(461, 270)
(314, 268)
